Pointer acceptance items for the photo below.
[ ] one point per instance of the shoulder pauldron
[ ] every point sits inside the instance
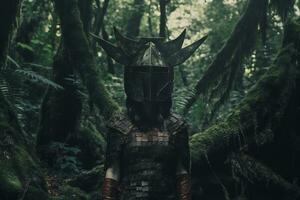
(175, 124)
(121, 123)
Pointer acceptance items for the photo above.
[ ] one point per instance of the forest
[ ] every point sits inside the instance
(239, 93)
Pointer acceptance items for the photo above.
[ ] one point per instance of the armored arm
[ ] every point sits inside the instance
(110, 187)
(183, 167)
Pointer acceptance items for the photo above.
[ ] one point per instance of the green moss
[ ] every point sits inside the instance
(10, 183)
(17, 168)
(89, 181)
(24, 162)
(213, 139)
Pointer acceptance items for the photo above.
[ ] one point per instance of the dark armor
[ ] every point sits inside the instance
(148, 141)
(148, 159)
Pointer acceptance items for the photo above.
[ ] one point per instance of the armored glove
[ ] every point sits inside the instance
(110, 189)
(184, 187)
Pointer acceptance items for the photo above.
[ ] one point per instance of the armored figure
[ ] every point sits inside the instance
(147, 152)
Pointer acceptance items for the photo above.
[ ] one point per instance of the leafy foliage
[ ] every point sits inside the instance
(65, 157)
(33, 76)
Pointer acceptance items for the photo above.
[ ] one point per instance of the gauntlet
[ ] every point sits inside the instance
(110, 189)
(184, 187)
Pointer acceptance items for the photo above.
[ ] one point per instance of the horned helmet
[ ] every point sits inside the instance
(149, 63)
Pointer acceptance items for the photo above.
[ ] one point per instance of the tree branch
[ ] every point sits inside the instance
(244, 35)
(8, 13)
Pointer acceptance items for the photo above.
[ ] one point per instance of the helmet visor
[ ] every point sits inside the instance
(148, 83)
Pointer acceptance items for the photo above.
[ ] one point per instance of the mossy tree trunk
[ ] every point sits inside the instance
(8, 15)
(163, 18)
(86, 11)
(20, 174)
(99, 27)
(61, 109)
(76, 41)
(134, 22)
(100, 15)
(263, 125)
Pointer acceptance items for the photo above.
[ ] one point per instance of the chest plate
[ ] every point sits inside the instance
(149, 165)
(153, 137)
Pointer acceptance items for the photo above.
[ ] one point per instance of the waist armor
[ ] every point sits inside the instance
(149, 166)
(148, 163)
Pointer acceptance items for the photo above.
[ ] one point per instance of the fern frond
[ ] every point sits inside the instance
(38, 66)
(36, 77)
(4, 86)
(13, 61)
(180, 98)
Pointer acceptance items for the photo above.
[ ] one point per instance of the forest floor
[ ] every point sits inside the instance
(84, 185)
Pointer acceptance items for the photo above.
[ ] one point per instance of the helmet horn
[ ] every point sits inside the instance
(114, 52)
(183, 54)
(127, 45)
(172, 46)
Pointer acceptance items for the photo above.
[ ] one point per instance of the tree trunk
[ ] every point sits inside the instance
(163, 18)
(110, 64)
(99, 19)
(61, 109)
(133, 25)
(76, 42)
(20, 175)
(85, 8)
(8, 13)
(100, 27)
